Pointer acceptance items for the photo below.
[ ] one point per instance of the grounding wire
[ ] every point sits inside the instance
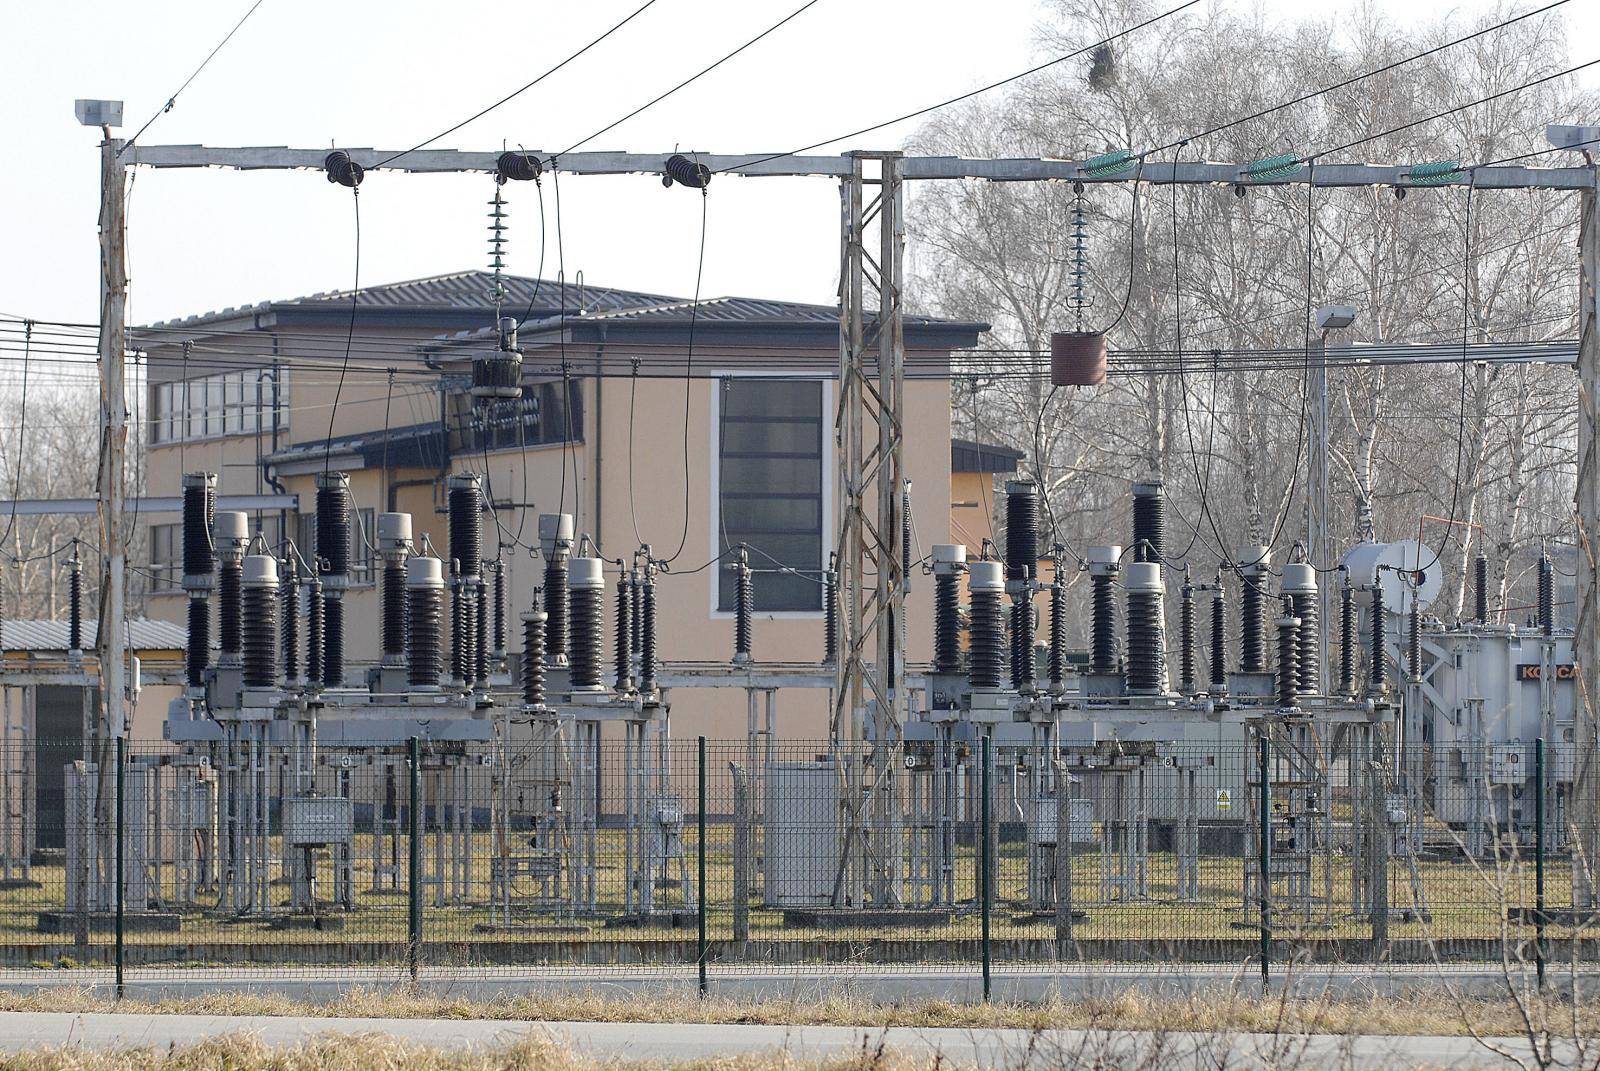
(1385, 69)
(518, 92)
(172, 100)
(692, 78)
(968, 95)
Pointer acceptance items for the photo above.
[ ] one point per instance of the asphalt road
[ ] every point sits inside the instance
(1014, 1050)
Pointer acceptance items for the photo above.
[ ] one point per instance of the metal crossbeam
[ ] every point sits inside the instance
(913, 168)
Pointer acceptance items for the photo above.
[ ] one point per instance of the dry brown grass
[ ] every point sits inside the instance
(1211, 1011)
(378, 1053)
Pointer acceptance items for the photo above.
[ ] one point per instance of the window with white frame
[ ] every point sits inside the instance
(208, 407)
(770, 488)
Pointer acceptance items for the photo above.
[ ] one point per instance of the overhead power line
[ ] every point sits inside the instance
(172, 100)
(973, 93)
(687, 81)
(520, 90)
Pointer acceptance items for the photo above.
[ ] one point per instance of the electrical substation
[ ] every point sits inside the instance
(1307, 711)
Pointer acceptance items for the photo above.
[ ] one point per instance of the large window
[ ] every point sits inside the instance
(363, 553)
(207, 407)
(770, 487)
(535, 418)
(166, 557)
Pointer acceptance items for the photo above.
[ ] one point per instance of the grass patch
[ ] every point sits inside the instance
(1215, 1011)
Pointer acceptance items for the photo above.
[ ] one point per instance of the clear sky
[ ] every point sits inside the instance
(387, 74)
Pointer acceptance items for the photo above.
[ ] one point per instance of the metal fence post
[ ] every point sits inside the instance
(986, 861)
(741, 856)
(1264, 860)
(413, 888)
(122, 851)
(1063, 861)
(700, 863)
(1538, 858)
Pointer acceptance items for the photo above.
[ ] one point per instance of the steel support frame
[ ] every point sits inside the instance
(1586, 639)
(869, 428)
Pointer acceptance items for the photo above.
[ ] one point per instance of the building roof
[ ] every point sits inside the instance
(459, 307)
(454, 292)
(969, 456)
(411, 446)
(43, 636)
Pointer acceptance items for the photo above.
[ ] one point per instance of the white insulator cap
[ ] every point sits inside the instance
(1299, 578)
(949, 557)
(1107, 555)
(1143, 576)
(230, 527)
(394, 528)
(554, 528)
(424, 573)
(260, 570)
(986, 576)
(585, 574)
(1253, 559)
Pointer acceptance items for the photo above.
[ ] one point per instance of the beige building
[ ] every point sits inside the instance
(634, 407)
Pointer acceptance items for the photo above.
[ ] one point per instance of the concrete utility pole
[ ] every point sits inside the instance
(114, 413)
(1586, 641)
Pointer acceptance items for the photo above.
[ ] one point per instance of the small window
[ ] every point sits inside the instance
(166, 568)
(233, 400)
(214, 404)
(770, 488)
(194, 406)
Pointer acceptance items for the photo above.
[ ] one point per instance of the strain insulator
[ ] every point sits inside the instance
(586, 584)
(458, 626)
(1022, 533)
(260, 625)
(1025, 673)
(289, 621)
(830, 613)
(314, 632)
(636, 619)
(1377, 675)
(499, 572)
(647, 635)
(1253, 565)
(1480, 588)
(424, 622)
(744, 605)
(1187, 639)
(480, 635)
(533, 660)
(986, 657)
(949, 562)
(465, 505)
(1103, 645)
(1300, 586)
(1347, 637)
(75, 601)
(1288, 658)
(624, 634)
(1219, 639)
(1547, 595)
(1149, 521)
(1058, 630)
(685, 172)
(905, 535)
(1414, 637)
(1147, 649)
